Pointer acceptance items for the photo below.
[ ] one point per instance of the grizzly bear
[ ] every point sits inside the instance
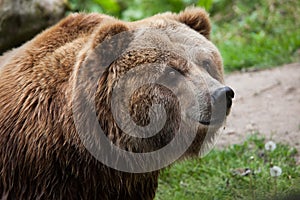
(95, 108)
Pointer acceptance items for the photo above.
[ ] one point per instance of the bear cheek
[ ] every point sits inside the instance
(144, 99)
(139, 111)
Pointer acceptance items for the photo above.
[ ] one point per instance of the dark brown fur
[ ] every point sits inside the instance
(41, 155)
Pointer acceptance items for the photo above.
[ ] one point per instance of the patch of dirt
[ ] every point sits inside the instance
(267, 101)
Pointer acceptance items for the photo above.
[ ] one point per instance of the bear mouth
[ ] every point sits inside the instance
(215, 121)
(207, 119)
(212, 122)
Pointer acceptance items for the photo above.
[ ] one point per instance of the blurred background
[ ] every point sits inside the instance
(250, 33)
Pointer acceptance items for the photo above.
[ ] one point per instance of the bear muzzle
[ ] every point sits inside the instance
(214, 112)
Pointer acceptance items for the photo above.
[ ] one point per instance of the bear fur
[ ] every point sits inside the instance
(41, 154)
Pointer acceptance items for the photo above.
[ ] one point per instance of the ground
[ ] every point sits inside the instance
(266, 101)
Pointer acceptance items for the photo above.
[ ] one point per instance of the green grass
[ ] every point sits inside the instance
(249, 33)
(213, 176)
(256, 33)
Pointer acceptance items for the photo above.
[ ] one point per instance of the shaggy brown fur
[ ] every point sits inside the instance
(41, 155)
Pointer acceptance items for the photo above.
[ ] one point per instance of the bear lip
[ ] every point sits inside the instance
(207, 121)
(211, 122)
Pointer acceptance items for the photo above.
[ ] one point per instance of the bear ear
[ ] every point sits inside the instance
(110, 41)
(197, 19)
(108, 29)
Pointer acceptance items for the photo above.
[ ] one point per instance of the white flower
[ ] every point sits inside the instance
(183, 184)
(270, 146)
(275, 171)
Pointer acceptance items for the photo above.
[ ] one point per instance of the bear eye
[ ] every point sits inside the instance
(169, 77)
(209, 67)
(172, 74)
(206, 65)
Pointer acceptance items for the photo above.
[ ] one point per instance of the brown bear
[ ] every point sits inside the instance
(94, 107)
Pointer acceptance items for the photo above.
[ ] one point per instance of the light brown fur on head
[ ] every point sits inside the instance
(195, 18)
(41, 153)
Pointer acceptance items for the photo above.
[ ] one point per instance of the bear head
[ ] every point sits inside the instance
(154, 85)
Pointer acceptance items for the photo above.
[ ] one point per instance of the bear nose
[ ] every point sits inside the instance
(221, 95)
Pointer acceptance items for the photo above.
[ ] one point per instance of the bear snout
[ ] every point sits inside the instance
(221, 102)
(221, 95)
(216, 109)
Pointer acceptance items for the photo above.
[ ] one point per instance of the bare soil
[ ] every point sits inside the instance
(267, 102)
